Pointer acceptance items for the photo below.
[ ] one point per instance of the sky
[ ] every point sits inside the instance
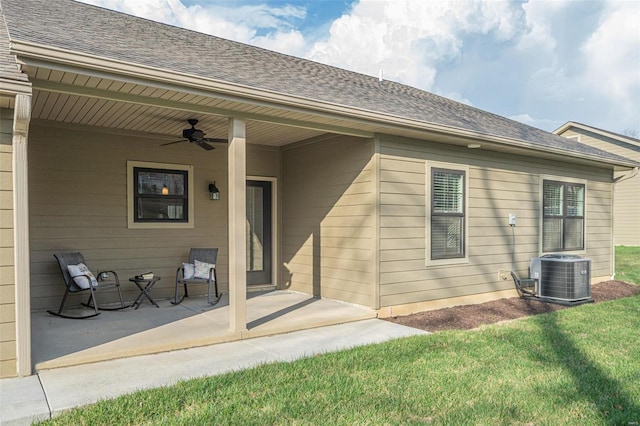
(541, 62)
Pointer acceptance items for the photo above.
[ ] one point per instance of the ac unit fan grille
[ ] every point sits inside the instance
(565, 280)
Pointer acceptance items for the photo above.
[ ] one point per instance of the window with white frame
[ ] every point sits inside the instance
(447, 227)
(159, 195)
(563, 216)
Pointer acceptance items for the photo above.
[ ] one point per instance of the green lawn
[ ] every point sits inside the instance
(577, 366)
(628, 264)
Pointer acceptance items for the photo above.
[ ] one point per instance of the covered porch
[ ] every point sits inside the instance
(59, 342)
(85, 132)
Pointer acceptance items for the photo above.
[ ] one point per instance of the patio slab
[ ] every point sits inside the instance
(54, 391)
(59, 342)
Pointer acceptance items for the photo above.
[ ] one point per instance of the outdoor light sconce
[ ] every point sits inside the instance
(165, 190)
(214, 192)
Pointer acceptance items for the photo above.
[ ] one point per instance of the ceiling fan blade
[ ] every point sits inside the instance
(216, 140)
(204, 145)
(171, 143)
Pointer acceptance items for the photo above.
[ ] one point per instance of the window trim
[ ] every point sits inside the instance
(430, 166)
(131, 191)
(565, 181)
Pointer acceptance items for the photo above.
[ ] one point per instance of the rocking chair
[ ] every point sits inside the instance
(77, 277)
(201, 269)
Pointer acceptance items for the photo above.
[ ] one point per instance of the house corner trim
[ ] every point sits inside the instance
(21, 119)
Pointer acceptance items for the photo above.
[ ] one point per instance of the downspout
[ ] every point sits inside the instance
(619, 179)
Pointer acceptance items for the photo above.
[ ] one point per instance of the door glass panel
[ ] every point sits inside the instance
(255, 229)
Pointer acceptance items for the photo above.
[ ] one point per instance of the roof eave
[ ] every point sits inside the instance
(77, 60)
(569, 124)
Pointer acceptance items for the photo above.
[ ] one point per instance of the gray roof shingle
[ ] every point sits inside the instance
(92, 30)
(8, 67)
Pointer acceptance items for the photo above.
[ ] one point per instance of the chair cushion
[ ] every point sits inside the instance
(78, 273)
(202, 269)
(188, 270)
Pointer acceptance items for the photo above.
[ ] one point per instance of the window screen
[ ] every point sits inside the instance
(447, 213)
(563, 216)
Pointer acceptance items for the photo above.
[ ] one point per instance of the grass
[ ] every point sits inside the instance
(574, 366)
(628, 264)
(577, 366)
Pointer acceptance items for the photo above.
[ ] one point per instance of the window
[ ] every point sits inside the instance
(447, 214)
(563, 216)
(159, 195)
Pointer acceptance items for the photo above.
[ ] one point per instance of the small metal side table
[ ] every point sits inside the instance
(145, 286)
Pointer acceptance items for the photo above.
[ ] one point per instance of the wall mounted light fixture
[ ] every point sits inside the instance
(165, 190)
(214, 192)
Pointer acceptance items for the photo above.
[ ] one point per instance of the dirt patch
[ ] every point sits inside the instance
(472, 316)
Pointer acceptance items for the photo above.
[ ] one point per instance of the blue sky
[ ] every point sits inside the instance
(542, 62)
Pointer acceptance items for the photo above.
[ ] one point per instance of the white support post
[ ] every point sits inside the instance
(237, 158)
(21, 119)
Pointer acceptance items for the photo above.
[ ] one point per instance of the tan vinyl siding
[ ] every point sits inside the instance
(599, 223)
(262, 161)
(7, 276)
(627, 193)
(627, 212)
(611, 145)
(78, 201)
(328, 216)
(499, 184)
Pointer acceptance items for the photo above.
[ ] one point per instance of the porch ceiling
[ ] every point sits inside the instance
(91, 99)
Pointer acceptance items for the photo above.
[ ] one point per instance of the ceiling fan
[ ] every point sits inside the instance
(196, 136)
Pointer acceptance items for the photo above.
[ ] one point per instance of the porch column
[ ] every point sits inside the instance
(21, 119)
(237, 158)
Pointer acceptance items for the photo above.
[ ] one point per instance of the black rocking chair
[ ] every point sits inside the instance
(207, 258)
(92, 283)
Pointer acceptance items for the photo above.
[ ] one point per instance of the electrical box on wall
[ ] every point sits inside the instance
(512, 219)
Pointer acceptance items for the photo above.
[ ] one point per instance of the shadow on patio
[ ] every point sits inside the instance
(59, 342)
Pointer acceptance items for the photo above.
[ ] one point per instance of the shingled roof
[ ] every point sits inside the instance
(8, 67)
(78, 27)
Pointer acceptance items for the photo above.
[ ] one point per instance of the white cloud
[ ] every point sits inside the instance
(410, 39)
(291, 42)
(612, 55)
(262, 25)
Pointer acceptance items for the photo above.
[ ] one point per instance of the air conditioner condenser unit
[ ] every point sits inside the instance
(562, 278)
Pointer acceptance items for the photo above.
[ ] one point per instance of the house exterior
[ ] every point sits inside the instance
(626, 204)
(332, 183)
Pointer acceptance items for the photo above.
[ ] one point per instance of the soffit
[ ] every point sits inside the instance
(92, 100)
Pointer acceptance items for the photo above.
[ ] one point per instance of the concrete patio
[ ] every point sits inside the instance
(59, 342)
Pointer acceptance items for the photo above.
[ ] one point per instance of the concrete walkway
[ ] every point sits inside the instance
(52, 391)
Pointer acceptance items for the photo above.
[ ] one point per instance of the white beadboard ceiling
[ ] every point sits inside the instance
(72, 98)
